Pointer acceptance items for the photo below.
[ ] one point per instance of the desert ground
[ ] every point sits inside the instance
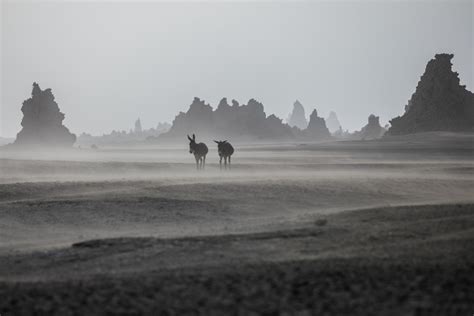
(380, 227)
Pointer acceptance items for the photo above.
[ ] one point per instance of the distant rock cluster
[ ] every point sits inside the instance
(297, 117)
(439, 103)
(247, 121)
(43, 121)
(136, 135)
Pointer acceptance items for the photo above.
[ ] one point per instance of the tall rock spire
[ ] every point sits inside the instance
(138, 126)
(439, 103)
(297, 117)
(317, 127)
(42, 121)
(332, 122)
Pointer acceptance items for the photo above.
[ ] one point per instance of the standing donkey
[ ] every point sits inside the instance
(225, 150)
(199, 150)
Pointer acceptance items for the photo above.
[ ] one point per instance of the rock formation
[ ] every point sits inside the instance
(317, 129)
(373, 129)
(297, 117)
(274, 128)
(162, 127)
(42, 121)
(135, 135)
(332, 122)
(342, 134)
(247, 121)
(198, 119)
(439, 103)
(138, 126)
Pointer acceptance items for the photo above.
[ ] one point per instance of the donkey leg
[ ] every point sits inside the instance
(225, 162)
(197, 162)
(229, 162)
(220, 162)
(203, 162)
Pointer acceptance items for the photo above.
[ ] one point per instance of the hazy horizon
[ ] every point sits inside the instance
(109, 63)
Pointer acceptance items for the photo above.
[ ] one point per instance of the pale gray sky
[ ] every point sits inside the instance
(111, 62)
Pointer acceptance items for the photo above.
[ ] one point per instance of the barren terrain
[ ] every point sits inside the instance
(369, 227)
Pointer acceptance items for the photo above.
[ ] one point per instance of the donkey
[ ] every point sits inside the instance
(225, 150)
(199, 150)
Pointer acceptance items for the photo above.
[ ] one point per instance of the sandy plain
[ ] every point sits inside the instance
(356, 228)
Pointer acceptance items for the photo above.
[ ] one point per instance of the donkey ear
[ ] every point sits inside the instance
(217, 142)
(225, 141)
(194, 137)
(189, 138)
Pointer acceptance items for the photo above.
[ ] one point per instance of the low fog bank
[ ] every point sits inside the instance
(449, 153)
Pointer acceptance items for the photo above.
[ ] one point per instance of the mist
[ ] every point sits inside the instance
(112, 62)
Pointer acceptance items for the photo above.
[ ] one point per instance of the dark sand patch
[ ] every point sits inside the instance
(401, 260)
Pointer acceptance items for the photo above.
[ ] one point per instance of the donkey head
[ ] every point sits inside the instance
(192, 144)
(220, 145)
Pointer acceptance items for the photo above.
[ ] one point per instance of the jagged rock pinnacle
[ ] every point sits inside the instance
(42, 121)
